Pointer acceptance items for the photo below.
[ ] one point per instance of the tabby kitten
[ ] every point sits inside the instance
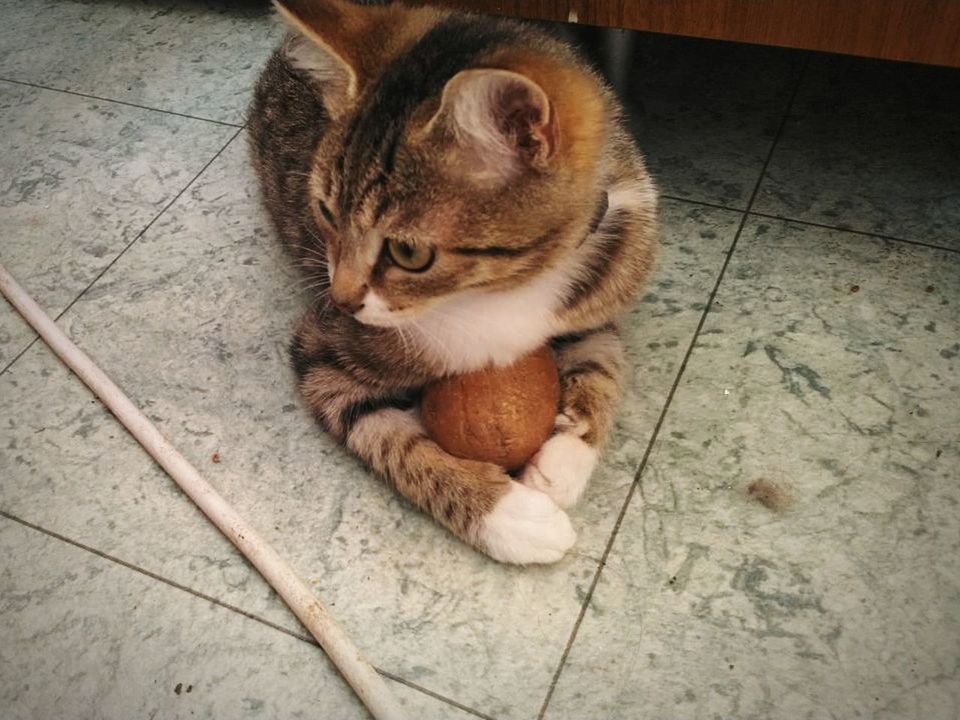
(461, 190)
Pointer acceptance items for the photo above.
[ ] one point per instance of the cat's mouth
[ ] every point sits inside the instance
(377, 312)
(386, 320)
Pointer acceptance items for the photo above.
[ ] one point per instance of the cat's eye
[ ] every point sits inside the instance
(415, 258)
(325, 211)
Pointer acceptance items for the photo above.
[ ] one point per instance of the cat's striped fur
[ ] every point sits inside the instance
(492, 146)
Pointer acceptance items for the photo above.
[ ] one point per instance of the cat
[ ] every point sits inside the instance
(460, 190)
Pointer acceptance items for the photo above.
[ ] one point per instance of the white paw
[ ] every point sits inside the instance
(526, 526)
(561, 469)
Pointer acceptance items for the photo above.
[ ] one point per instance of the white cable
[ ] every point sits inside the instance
(365, 681)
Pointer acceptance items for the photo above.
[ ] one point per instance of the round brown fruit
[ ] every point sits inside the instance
(499, 415)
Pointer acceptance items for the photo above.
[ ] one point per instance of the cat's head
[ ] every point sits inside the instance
(461, 154)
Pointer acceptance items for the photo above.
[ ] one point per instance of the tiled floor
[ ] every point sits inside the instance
(774, 532)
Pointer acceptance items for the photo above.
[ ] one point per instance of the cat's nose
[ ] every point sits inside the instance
(349, 302)
(350, 307)
(348, 289)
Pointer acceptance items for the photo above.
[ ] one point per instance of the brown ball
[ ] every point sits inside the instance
(498, 415)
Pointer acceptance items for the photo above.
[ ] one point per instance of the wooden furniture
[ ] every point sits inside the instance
(926, 31)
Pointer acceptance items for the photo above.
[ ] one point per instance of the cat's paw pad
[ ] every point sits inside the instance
(561, 469)
(525, 526)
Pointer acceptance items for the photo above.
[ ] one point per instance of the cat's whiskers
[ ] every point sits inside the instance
(313, 251)
(313, 282)
(310, 265)
(295, 173)
(314, 235)
(404, 340)
(314, 268)
(316, 292)
(316, 257)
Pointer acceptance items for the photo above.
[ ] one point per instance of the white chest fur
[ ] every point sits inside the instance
(474, 328)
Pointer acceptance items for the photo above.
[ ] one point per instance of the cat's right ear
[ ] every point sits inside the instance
(325, 45)
(500, 122)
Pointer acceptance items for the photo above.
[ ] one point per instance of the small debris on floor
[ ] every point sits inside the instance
(771, 495)
(215, 457)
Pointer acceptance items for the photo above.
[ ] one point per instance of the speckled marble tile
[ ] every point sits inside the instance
(198, 58)
(705, 112)
(79, 179)
(83, 637)
(194, 321)
(828, 368)
(657, 333)
(871, 146)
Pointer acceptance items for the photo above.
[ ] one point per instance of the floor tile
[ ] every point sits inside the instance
(657, 333)
(197, 58)
(81, 636)
(792, 549)
(704, 112)
(80, 179)
(194, 322)
(871, 146)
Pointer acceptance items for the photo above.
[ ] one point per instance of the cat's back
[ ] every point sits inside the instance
(285, 121)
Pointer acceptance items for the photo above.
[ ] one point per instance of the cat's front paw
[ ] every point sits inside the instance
(526, 526)
(561, 469)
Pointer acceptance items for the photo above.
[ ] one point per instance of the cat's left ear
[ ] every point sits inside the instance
(502, 123)
(331, 42)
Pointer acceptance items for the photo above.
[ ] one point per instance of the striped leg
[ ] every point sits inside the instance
(477, 502)
(591, 369)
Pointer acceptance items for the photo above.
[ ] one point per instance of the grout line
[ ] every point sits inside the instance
(437, 696)
(38, 86)
(811, 223)
(666, 405)
(127, 247)
(150, 224)
(22, 352)
(863, 233)
(227, 606)
(718, 206)
(155, 576)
